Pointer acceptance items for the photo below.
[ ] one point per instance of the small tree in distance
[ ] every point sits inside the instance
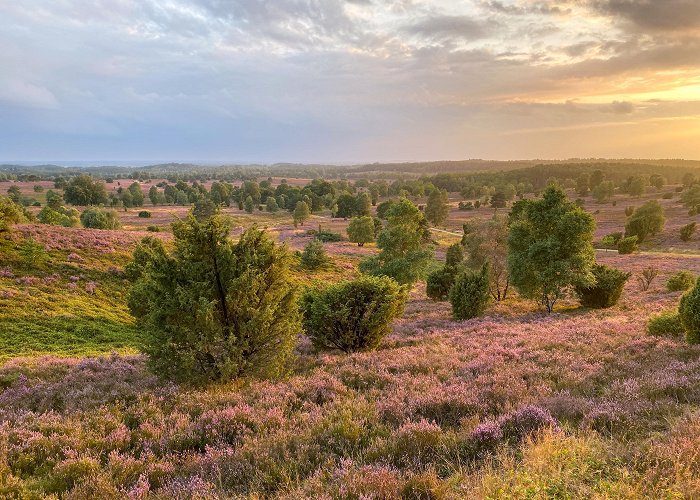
(301, 213)
(436, 209)
(361, 230)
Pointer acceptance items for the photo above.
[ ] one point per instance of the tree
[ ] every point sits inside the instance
(346, 204)
(271, 205)
(404, 254)
(603, 191)
(498, 200)
(637, 186)
(84, 190)
(153, 195)
(314, 255)
(14, 194)
(469, 295)
(582, 184)
(249, 204)
(596, 178)
(352, 315)
(10, 213)
(436, 209)
(687, 231)
(363, 205)
(212, 309)
(137, 196)
(361, 230)
(301, 213)
(95, 218)
(550, 247)
(439, 282)
(488, 244)
(647, 220)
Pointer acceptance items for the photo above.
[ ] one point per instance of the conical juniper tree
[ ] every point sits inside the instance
(550, 247)
(212, 309)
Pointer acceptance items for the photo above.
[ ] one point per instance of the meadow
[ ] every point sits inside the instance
(581, 403)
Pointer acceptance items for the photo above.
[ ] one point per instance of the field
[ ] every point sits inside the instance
(515, 404)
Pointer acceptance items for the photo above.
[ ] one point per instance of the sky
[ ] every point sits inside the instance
(348, 80)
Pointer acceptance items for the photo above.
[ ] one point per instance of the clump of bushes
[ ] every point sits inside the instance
(352, 315)
(689, 311)
(314, 255)
(145, 214)
(95, 218)
(607, 289)
(59, 216)
(627, 245)
(611, 240)
(153, 229)
(470, 294)
(667, 323)
(687, 231)
(680, 281)
(325, 236)
(439, 282)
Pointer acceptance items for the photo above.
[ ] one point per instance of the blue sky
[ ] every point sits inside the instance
(348, 80)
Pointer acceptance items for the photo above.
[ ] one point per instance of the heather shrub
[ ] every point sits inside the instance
(647, 277)
(523, 422)
(314, 255)
(680, 281)
(689, 311)
(627, 245)
(212, 309)
(470, 294)
(687, 231)
(95, 218)
(352, 315)
(607, 289)
(667, 323)
(145, 214)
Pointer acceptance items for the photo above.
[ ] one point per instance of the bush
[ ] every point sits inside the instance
(665, 324)
(687, 231)
(647, 220)
(66, 217)
(647, 276)
(611, 240)
(689, 311)
(439, 283)
(145, 214)
(680, 281)
(352, 315)
(667, 196)
(212, 309)
(607, 289)
(314, 255)
(95, 218)
(361, 230)
(627, 245)
(325, 236)
(470, 294)
(153, 229)
(629, 211)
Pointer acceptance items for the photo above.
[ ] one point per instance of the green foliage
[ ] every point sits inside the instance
(33, 253)
(325, 236)
(680, 281)
(352, 315)
(314, 255)
(145, 214)
(301, 213)
(84, 190)
(665, 324)
(549, 247)
(95, 218)
(606, 290)
(454, 255)
(212, 309)
(689, 311)
(469, 295)
(271, 205)
(404, 255)
(488, 243)
(249, 204)
(687, 231)
(384, 207)
(439, 282)
(10, 213)
(611, 240)
(436, 209)
(361, 230)
(66, 217)
(603, 191)
(627, 246)
(647, 220)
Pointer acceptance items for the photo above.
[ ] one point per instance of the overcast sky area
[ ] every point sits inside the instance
(348, 80)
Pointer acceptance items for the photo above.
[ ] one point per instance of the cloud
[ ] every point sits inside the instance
(449, 27)
(654, 15)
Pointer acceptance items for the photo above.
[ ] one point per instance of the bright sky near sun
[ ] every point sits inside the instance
(349, 80)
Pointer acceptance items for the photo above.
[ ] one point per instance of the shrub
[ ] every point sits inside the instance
(352, 315)
(153, 229)
(647, 220)
(627, 245)
(611, 240)
(667, 323)
(454, 255)
(607, 289)
(689, 311)
(361, 230)
(314, 255)
(213, 309)
(687, 231)
(680, 281)
(145, 214)
(10, 213)
(439, 282)
(629, 211)
(470, 294)
(325, 236)
(95, 218)
(646, 277)
(66, 217)
(667, 196)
